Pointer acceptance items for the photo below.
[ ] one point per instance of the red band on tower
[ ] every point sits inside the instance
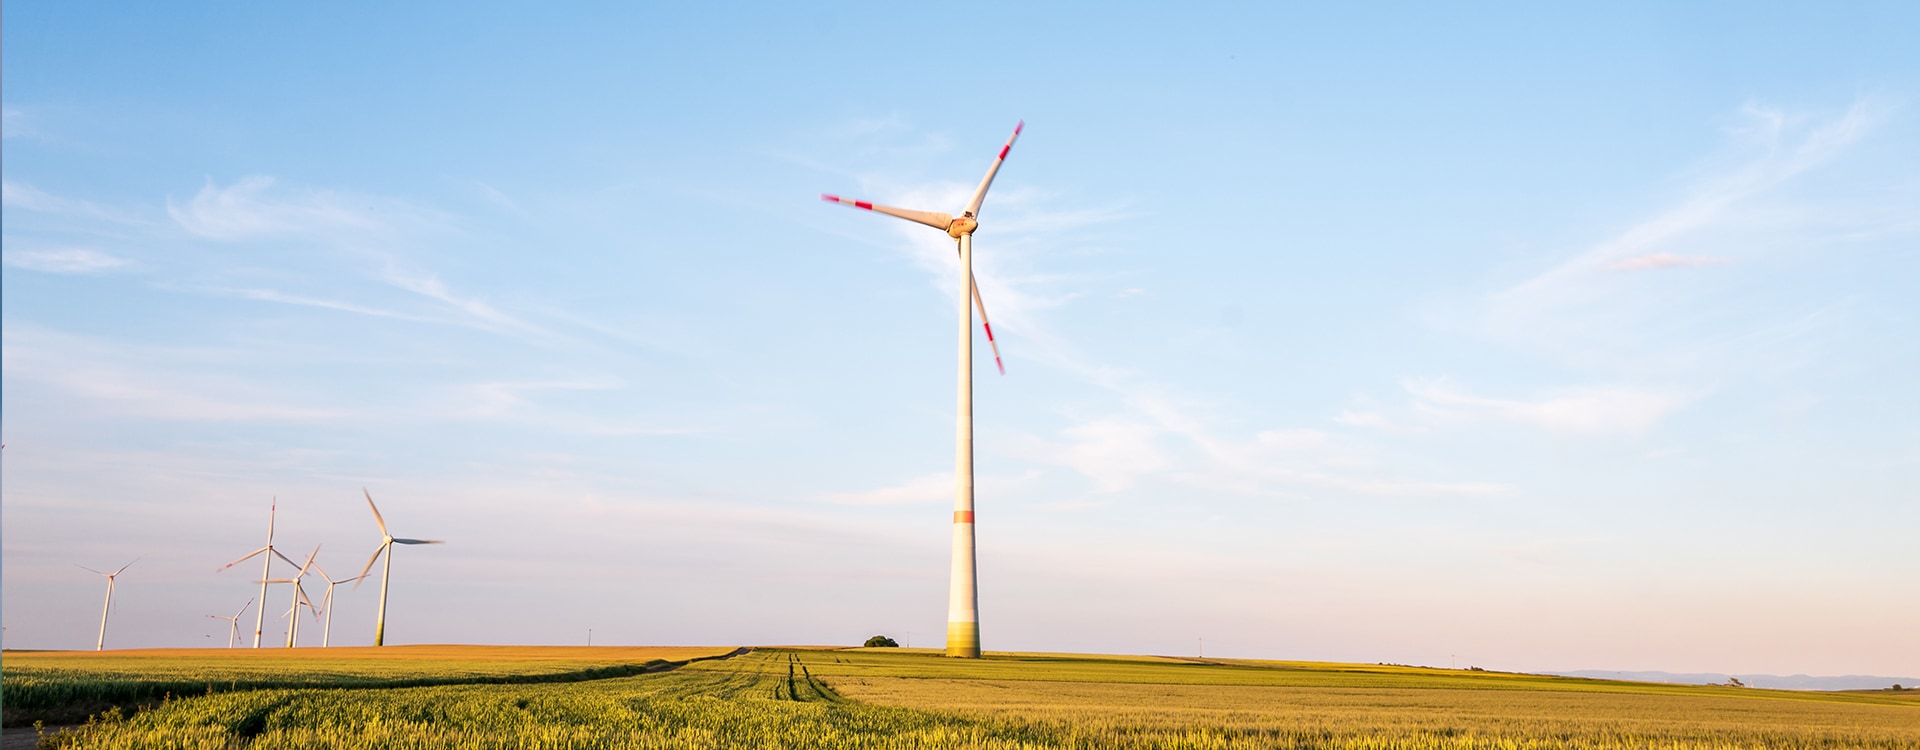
(963, 516)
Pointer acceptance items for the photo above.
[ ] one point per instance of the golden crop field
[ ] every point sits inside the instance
(64, 686)
(886, 698)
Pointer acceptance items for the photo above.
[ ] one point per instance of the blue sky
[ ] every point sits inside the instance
(1535, 338)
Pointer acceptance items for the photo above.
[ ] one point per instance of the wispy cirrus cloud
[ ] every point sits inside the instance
(1593, 310)
(145, 382)
(924, 489)
(517, 402)
(270, 295)
(72, 260)
(28, 197)
(1593, 410)
(1781, 147)
(254, 207)
(1662, 260)
(1112, 453)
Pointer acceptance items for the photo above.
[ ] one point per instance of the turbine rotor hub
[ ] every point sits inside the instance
(962, 225)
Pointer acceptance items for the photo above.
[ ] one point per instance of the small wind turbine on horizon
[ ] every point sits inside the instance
(326, 601)
(299, 598)
(234, 621)
(387, 541)
(963, 603)
(101, 645)
(266, 571)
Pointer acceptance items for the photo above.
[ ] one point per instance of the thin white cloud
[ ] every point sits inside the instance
(927, 489)
(1613, 410)
(73, 260)
(1113, 453)
(515, 402)
(478, 311)
(269, 295)
(133, 381)
(252, 208)
(27, 197)
(1780, 158)
(1591, 313)
(14, 124)
(1662, 260)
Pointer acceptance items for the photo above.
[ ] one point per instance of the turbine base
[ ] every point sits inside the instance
(963, 640)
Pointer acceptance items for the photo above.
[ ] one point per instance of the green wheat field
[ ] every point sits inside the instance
(560, 697)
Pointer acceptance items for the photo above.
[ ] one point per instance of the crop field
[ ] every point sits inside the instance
(888, 698)
(67, 686)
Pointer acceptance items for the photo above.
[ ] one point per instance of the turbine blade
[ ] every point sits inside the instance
(243, 609)
(980, 194)
(123, 568)
(309, 563)
(289, 560)
(272, 511)
(418, 541)
(982, 307)
(300, 590)
(370, 562)
(244, 559)
(89, 570)
(376, 512)
(933, 219)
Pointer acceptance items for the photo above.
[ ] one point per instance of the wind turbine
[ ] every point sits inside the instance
(233, 621)
(101, 645)
(963, 602)
(266, 565)
(326, 601)
(299, 598)
(386, 574)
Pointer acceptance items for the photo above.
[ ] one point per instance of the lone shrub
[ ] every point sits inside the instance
(881, 641)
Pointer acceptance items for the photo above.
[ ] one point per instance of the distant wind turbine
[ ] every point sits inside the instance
(386, 574)
(963, 603)
(266, 572)
(234, 621)
(299, 598)
(326, 601)
(101, 645)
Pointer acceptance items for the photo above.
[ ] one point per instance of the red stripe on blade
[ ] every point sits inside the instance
(996, 363)
(830, 198)
(963, 516)
(1018, 126)
(863, 204)
(1004, 150)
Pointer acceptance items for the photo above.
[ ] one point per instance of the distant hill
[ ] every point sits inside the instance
(1776, 682)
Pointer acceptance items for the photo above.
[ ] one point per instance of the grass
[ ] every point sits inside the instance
(68, 686)
(887, 698)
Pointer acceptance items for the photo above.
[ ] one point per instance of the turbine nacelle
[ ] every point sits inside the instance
(962, 225)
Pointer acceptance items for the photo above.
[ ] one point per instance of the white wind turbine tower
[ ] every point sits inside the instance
(326, 601)
(101, 645)
(234, 622)
(299, 598)
(266, 572)
(386, 574)
(963, 602)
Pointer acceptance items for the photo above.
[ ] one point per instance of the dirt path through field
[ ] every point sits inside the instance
(22, 738)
